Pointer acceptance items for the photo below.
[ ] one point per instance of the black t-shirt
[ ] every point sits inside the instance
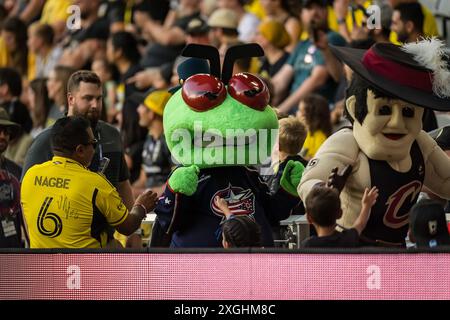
(346, 239)
(133, 135)
(156, 161)
(99, 29)
(10, 212)
(272, 69)
(157, 54)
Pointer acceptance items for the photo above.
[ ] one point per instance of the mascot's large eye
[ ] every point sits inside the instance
(249, 90)
(203, 92)
(408, 112)
(385, 110)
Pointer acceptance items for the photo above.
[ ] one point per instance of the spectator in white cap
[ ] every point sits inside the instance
(223, 25)
(247, 22)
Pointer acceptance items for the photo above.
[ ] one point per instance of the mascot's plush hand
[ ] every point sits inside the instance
(184, 180)
(292, 174)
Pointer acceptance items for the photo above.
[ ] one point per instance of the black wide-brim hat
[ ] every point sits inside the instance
(389, 69)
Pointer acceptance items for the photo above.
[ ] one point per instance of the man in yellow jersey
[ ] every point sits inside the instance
(65, 205)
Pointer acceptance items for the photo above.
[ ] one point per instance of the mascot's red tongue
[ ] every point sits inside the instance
(394, 136)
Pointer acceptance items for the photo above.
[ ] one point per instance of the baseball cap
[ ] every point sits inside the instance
(223, 18)
(156, 101)
(275, 33)
(442, 137)
(428, 224)
(197, 26)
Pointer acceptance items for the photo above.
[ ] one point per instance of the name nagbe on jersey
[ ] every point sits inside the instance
(52, 182)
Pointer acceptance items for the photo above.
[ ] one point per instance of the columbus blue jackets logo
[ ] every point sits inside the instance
(240, 201)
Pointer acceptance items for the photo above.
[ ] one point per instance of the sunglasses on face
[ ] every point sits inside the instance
(94, 143)
(6, 130)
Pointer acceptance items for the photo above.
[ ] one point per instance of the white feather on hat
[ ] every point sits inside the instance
(431, 53)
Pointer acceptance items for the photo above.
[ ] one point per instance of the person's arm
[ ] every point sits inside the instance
(163, 35)
(144, 79)
(126, 193)
(368, 200)
(145, 203)
(318, 78)
(79, 56)
(281, 80)
(223, 205)
(333, 65)
(33, 8)
(341, 10)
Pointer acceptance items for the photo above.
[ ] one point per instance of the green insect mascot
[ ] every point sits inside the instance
(219, 128)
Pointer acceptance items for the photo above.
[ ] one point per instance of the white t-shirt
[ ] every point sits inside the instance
(248, 26)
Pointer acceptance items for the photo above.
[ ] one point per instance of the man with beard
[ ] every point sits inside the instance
(407, 22)
(85, 99)
(10, 212)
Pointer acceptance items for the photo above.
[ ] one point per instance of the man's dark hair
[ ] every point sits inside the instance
(358, 87)
(12, 79)
(69, 132)
(45, 32)
(126, 42)
(82, 76)
(19, 31)
(323, 206)
(412, 12)
(317, 113)
(242, 231)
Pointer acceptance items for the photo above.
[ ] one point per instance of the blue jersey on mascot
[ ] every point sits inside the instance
(219, 127)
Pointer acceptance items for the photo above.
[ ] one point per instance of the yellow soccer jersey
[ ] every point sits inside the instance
(54, 11)
(67, 206)
(312, 143)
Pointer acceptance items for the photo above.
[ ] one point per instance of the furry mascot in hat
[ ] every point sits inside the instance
(215, 125)
(386, 147)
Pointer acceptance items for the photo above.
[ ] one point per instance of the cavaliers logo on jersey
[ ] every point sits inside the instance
(240, 201)
(404, 196)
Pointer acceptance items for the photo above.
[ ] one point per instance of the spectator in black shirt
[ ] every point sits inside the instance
(156, 159)
(10, 211)
(273, 38)
(122, 51)
(10, 91)
(323, 208)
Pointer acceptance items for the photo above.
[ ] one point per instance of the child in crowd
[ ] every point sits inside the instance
(238, 230)
(428, 225)
(291, 136)
(314, 112)
(323, 208)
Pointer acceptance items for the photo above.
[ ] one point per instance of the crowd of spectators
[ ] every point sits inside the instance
(134, 48)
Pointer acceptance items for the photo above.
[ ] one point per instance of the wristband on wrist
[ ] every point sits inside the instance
(141, 206)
